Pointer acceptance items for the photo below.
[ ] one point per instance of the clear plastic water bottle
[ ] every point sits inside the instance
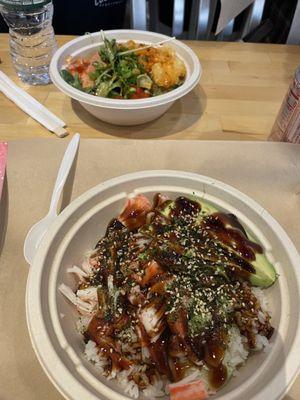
(32, 40)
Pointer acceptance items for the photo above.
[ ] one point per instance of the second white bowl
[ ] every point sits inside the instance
(124, 112)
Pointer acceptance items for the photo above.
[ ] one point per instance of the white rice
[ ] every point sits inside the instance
(156, 390)
(262, 343)
(236, 353)
(260, 295)
(93, 355)
(86, 302)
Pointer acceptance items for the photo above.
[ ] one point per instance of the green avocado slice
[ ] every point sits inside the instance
(265, 274)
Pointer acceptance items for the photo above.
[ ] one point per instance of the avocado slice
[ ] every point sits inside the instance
(166, 208)
(207, 209)
(265, 274)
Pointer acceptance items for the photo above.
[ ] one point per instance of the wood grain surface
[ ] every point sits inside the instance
(238, 97)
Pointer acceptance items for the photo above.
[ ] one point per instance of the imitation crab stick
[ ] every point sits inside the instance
(188, 391)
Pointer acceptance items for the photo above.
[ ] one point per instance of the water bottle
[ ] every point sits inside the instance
(32, 40)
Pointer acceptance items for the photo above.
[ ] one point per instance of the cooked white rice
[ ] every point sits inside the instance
(86, 302)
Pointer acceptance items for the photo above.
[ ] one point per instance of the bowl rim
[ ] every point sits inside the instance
(165, 98)
(34, 313)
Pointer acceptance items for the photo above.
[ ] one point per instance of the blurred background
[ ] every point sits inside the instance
(269, 21)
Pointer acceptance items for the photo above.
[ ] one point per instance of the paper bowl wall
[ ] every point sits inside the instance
(51, 318)
(124, 112)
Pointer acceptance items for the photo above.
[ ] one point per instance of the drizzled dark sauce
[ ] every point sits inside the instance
(179, 260)
(227, 229)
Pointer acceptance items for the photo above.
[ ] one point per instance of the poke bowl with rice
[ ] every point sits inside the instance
(170, 299)
(165, 284)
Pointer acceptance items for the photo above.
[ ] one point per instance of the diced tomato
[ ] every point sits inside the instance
(188, 391)
(139, 94)
(79, 65)
(80, 68)
(72, 69)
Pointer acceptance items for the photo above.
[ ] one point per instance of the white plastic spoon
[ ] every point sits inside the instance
(38, 230)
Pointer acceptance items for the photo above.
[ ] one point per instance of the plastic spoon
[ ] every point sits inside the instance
(37, 232)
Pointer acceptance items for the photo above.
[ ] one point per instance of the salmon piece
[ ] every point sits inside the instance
(94, 58)
(98, 328)
(142, 334)
(159, 285)
(135, 212)
(152, 270)
(180, 328)
(85, 80)
(90, 68)
(121, 322)
(176, 348)
(135, 295)
(109, 349)
(188, 391)
(137, 278)
(178, 324)
(119, 362)
(159, 356)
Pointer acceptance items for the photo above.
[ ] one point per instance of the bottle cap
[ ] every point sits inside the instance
(24, 5)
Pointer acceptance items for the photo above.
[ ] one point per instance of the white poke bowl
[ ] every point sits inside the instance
(51, 318)
(124, 112)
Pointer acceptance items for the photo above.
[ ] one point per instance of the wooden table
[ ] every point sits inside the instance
(238, 97)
